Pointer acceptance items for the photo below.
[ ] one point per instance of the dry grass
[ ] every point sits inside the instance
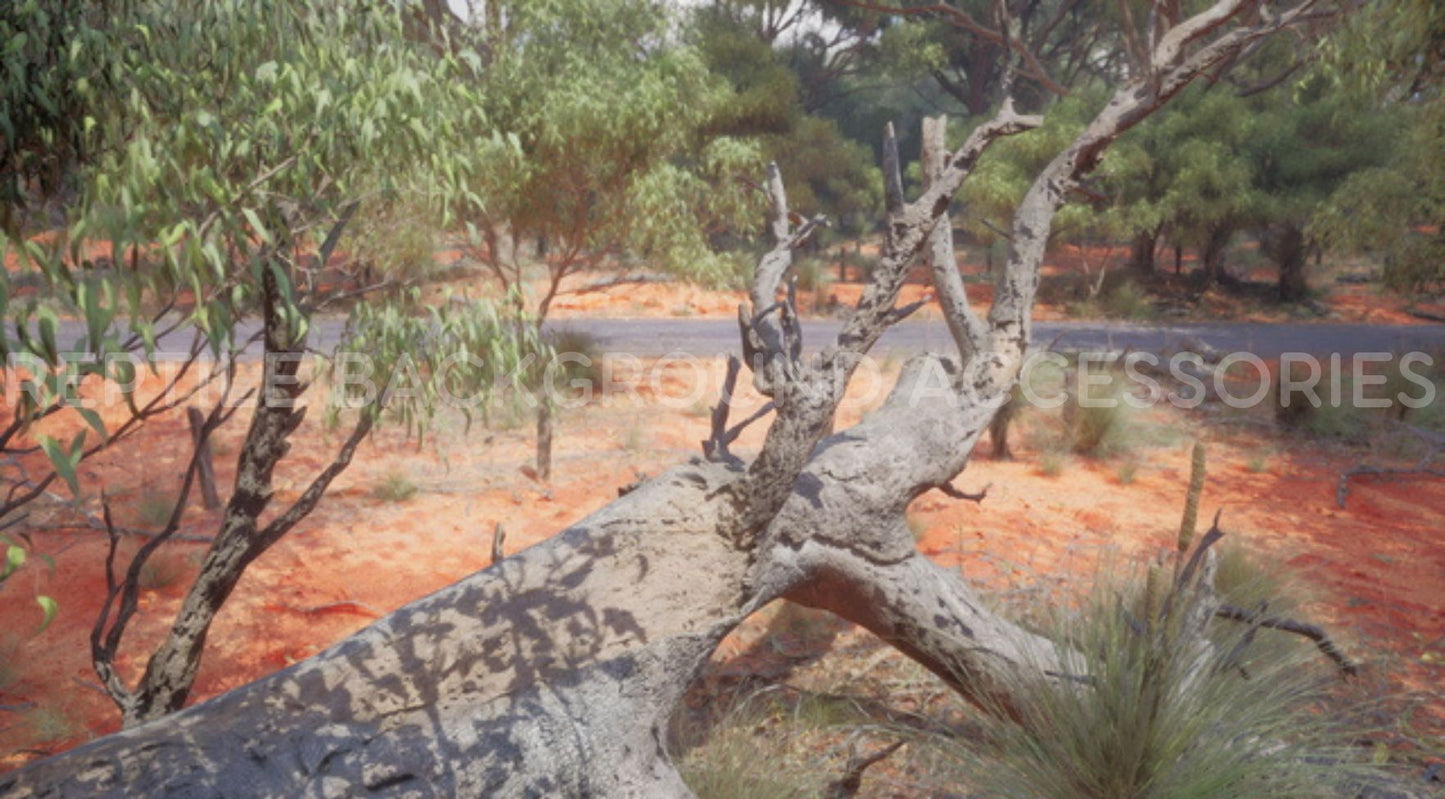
(395, 487)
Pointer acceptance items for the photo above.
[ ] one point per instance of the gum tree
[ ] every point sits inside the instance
(228, 149)
(612, 164)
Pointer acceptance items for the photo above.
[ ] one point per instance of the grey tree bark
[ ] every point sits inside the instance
(555, 671)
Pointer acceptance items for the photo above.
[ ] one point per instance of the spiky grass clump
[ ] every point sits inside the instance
(153, 508)
(1097, 421)
(1164, 713)
(395, 487)
(735, 758)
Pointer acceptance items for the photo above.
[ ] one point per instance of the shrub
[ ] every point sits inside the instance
(812, 273)
(579, 361)
(1126, 472)
(164, 570)
(48, 725)
(1051, 464)
(153, 508)
(1126, 300)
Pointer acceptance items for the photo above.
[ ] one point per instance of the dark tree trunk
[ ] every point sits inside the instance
(1287, 249)
(998, 432)
(1141, 251)
(206, 470)
(1178, 258)
(544, 440)
(1212, 258)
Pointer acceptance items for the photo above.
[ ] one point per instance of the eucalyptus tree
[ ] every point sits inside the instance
(228, 149)
(777, 61)
(555, 672)
(611, 163)
(1395, 52)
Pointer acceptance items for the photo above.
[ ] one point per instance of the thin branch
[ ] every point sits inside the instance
(950, 491)
(961, 19)
(715, 448)
(499, 537)
(851, 782)
(1320, 638)
(312, 495)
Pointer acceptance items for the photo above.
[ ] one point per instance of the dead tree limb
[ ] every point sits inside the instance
(848, 785)
(1424, 467)
(1316, 634)
(207, 468)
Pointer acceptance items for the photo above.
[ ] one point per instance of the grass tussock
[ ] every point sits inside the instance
(153, 508)
(1164, 713)
(1097, 419)
(745, 754)
(576, 369)
(395, 487)
(165, 569)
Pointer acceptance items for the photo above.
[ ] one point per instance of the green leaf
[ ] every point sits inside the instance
(48, 322)
(256, 227)
(14, 559)
(93, 419)
(61, 462)
(48, 609)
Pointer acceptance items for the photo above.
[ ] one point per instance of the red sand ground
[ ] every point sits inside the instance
(597, 294)
(1375, 566)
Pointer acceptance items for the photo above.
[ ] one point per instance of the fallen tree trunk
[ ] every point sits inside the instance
(555, 671)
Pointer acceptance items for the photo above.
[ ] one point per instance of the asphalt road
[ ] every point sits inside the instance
(713, 337)
(656, 337)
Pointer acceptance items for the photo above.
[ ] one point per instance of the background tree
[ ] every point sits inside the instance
(1396, 53)
(612, 161)
(228, 147)
(776, 69)
(1301, 148)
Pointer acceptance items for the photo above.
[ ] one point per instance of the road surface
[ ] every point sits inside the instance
(713, 337)
(655, 337)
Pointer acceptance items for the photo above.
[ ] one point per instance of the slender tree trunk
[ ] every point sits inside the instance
(1212, 257)
(544, 439)
(206, 469)
(171, 670)
(1287, 248)
(1141, 251)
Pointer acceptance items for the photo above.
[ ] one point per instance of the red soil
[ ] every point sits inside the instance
(1375, 566)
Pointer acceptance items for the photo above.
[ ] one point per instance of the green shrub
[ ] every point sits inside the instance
(153, 508)
(1126, 472)
(1051, 464)
(164, 569)
(48, 725)
(812, 273)
(1125, 300)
